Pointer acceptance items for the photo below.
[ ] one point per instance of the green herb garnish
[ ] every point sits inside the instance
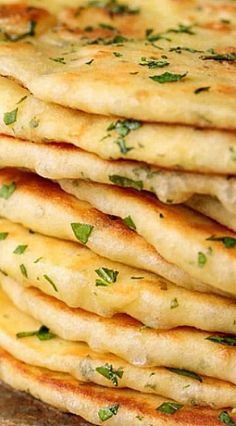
(107, 412)
(153, 63)
(117, 54)
(3, 235)
(225, 418)
(186, 29)
(106, 26)
(34, 123)
(202, 259)
(180, 49)
(10, 117)
(23, 270)
(48, 279)
(220, 57)
(82, 231)
(168, 77)
(174, 303)
(113, 7)
(89, 62)
(126, 182)
(169, 407)
(59, 60)
(229, 242)
(108, 276)
(128, 221)
(202, 89)
(186, 373)
(110, 374)
(223, 340)
(6, 191)
(20, 249)
(123, 128)
(43, 334)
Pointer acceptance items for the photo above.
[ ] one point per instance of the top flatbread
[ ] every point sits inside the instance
(76, 70)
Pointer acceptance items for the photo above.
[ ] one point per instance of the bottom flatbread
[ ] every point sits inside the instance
(112, 407)
(212, 208)
(84, 364)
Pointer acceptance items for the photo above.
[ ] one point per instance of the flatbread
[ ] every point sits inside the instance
(113, 89)
(45, 202)
(110, 238)
(80, 278)
(213, 209)
(81, 362)
(180, 235)
(60, 161)
(208, 151)
(67, 394)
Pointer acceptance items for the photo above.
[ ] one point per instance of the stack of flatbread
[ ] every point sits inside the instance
(118, 208)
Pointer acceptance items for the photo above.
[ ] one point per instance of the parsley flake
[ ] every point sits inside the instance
(174, 303)
(108, 276)
(42, 334)
(50, 281)
(6, 191)
(10, 117)
(128, 221)
(107, 412)
(185, 29)
(153, 63)
(123, 128)
(3, 235)
(169, 407)
(109, 373)
(23, 270)
(186, 373)
(59, 60)
(225, 418)
(220, 57)
(223, 340)
(202, 259)
(82, 231)
(168, 77)
(201, 89)
(20, 249)
(229, 242)
(126, 182)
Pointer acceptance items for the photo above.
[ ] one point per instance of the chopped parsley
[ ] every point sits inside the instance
(82, 231)
(169, 407)
(3, 235)
(20, 249)
(128, 221)
(113, 7)
(137, 278)
(223, 340)
(50, 281)
(59, 60)
(38, 259)
(180, 49)
(89, 62)
(106, 26)
(126, 182)
(123, 128)
(23, 270)
(229, 242)
(174, 303)
(186, 373)
(201, 89)
(6, 191)
(107, 412)
(117, 54)
(153, 63)
(17, 37)
(107, 277)
(42, 334)
(109, 373)
(202, 259)
(225, 418)
(220, 57)
(152, 37)
(186, 29)
(22, 100)
(168, 77)
(10, 117)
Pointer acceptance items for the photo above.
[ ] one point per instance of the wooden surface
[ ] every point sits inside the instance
(19, 409)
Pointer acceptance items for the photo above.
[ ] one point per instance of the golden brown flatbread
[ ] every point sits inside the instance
(40, 347)
(92, 403)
